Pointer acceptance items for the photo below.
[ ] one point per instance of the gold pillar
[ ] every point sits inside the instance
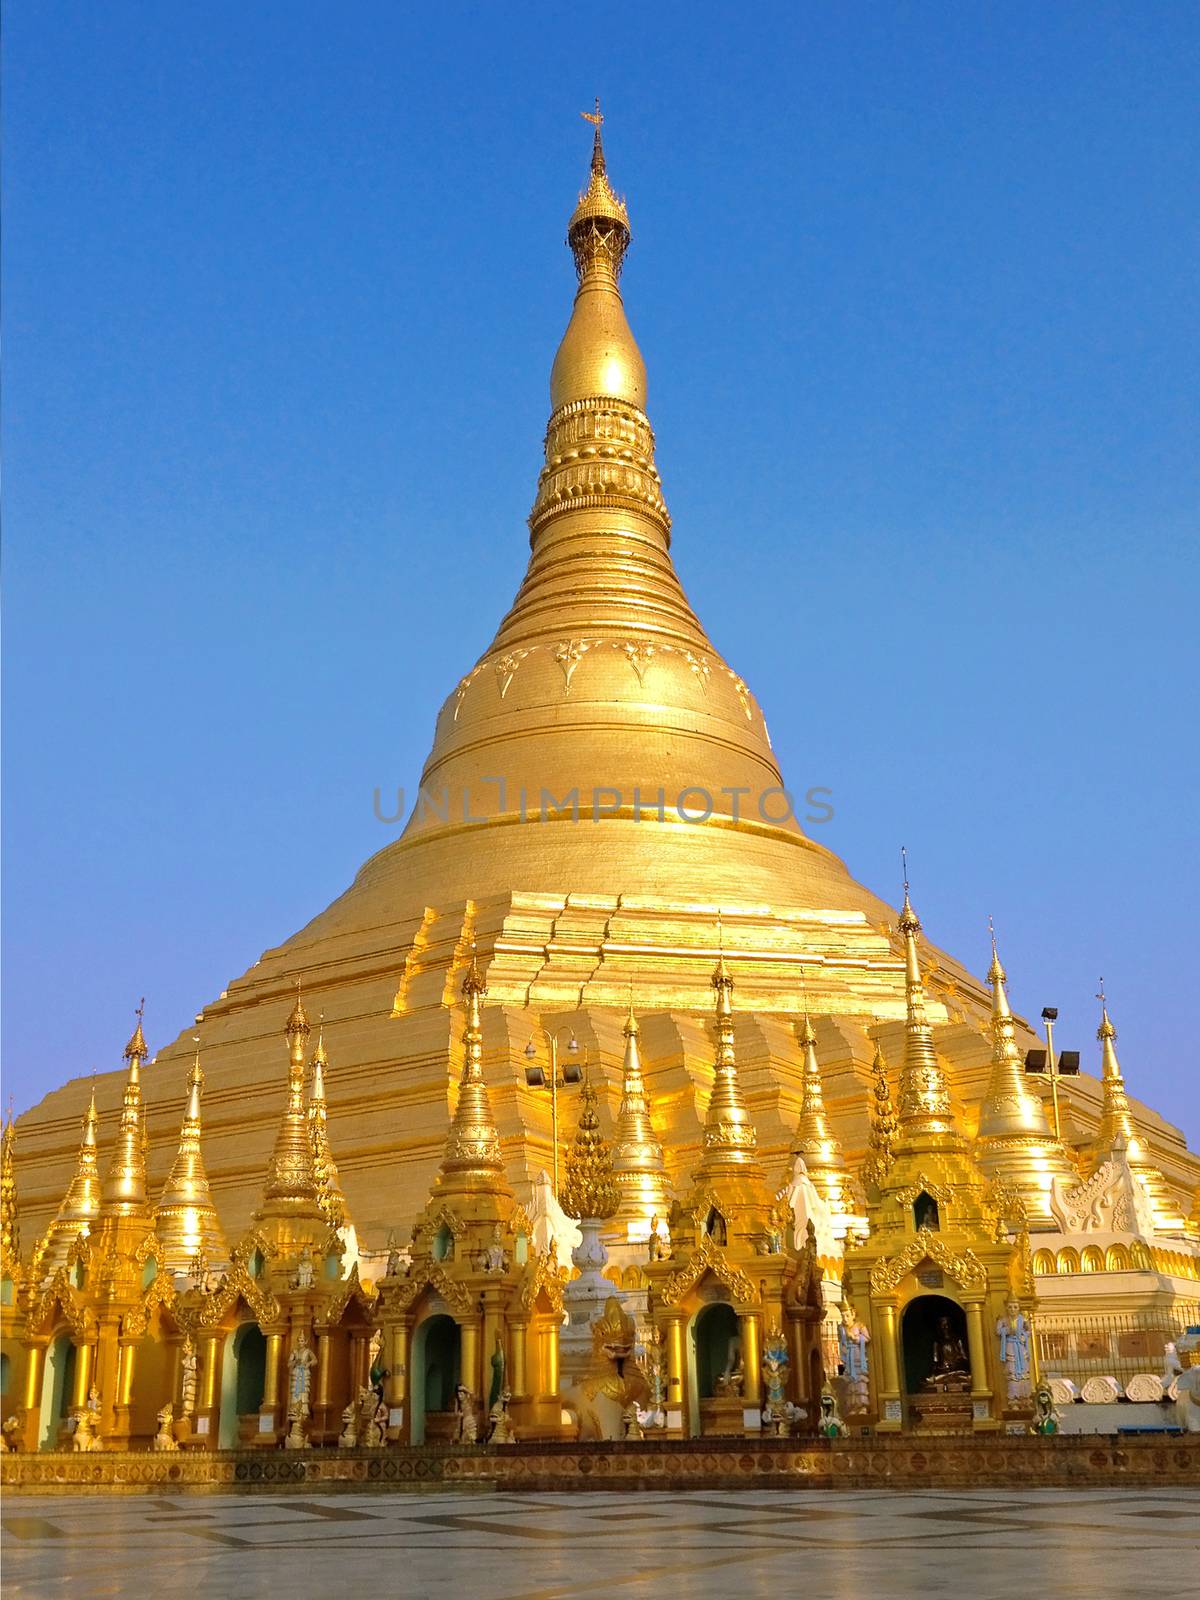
(83, 1374)
(397, 1380)
(551, 1347)
(977, 1350)
(675, 1365)
(519, 1384)
(751, 1360)
(323, 1370)
(125, 1368)
(889, 1389)
(469, 1356)
(274, 1367)
(208, 1377)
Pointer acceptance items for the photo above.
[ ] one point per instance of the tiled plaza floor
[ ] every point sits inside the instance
(1048, 1544)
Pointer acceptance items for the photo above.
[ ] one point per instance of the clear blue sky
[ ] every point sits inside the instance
(916, 286)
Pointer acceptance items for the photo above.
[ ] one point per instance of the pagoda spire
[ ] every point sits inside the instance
(590, 1188)
(291, 1184)
(815, 1140)
(123, 1192)
(926, 1116)
(729, 1136)
(1118, 1131)
(637, 1156)
(1014, 1142)
(80, 1205)
(884, 1123)
(329, 1188)
(472, 1161)
(10, 1232)
(185, 1218)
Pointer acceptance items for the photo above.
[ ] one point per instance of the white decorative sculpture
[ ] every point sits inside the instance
(1144, 1386)
(1063, 1391)
(1187, 1400)
(1101, 1391)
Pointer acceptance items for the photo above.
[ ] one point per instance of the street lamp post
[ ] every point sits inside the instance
(535, 1077)
(1065, 1065)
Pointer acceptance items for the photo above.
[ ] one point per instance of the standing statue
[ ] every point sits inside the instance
(187, 1380)
(468, 1415)
(1172, 1366)
(776, 1412)
(497, 1385)
(372, 1420)
(300, 1364)
(10, 1433)
(164, 1439)
(853, 1337)
(305, 1274)
(829, 1423)
(1013, 1331)
(1045, 1417)
(631, 1422)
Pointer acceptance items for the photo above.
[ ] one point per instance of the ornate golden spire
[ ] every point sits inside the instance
(814, 1139)
(729, 1136)
(80, 1205)
(1118, 1128)
(884, 1124)
(185, 1218)
(10, 1233)
(472, 1162)
(329, 1187)
(590, 1188)
(291, 1185)
(637, 1152)
(598, 357)
(1014, 1141)
(123, 1192)
(925, 1111)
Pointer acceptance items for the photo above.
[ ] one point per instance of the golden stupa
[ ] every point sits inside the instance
(601, 789)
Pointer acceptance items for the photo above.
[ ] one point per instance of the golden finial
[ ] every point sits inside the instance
(10, 1237)
(909, 921)
(81, 1204)
(297, 1022)
(814, 1139)
(925, 1110)
(729, 1135)
(472, 1159)
(329, 1188)
(136, 1048)
(1106, 1029)
(596, 118)
(598, 232)
(884, 1123)
(589, 1188)
(185, 1218)
(637, 1151)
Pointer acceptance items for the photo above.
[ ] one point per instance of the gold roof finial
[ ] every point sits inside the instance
(925, 1110)
(329, 1187)
(136, 1050)
(637, 1157)
(884, 1123)
(185, 1218)
(814, 1139)
(589, 1188)
(80, 1205)
(10, 1233)
(291, 1186)
(1118, 1127)
(729, 1135)
(472, 1160)
(1014, 1142)
(124, 1189)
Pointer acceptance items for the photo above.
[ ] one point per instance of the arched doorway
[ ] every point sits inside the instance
(718, 1343)
(58, 1384)
(934, 1334)
(436, 1358)
(243, 1382)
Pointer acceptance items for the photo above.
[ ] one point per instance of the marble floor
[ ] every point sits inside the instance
(1051, 1544)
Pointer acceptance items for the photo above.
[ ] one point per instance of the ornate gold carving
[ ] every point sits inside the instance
(966, 1269)
(707, 1257)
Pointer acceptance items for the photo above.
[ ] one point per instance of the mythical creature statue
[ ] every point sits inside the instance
(164, 1439)
(468, 1415)
(1045, 1417)
(501, 1428)
(613, 1380)
(829, 1423)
